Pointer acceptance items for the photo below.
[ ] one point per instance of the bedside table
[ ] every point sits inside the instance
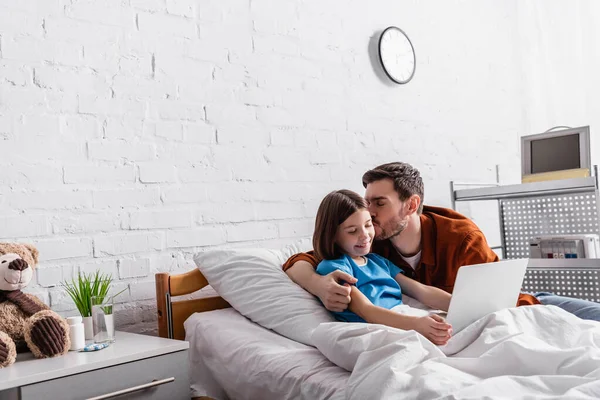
(134, 367)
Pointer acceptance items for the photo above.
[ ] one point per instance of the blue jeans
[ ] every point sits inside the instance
(582, 308)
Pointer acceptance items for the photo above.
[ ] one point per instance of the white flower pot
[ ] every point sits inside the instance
(88, 328)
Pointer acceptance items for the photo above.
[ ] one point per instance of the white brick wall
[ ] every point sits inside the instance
(134, 133)
(57, 247)
(127, 243)
(132, 268)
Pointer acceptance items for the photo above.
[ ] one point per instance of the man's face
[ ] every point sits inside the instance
(389, 214)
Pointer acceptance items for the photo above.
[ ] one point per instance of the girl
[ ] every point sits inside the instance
(342, 240)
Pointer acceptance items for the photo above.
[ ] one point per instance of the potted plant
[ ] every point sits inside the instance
(82, 289)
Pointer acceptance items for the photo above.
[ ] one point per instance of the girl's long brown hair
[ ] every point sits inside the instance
(334, 209)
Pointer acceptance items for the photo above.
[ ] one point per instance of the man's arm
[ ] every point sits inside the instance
(475, 250)
(333, 295)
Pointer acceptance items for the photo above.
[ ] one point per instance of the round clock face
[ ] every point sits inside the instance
(397, 55)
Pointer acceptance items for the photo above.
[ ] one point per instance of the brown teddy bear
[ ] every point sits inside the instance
(26, 322)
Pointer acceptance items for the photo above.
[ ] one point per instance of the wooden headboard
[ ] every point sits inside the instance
(172, 314)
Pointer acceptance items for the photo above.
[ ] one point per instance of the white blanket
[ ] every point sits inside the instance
(535, 352)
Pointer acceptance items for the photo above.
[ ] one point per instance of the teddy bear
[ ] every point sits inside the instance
(26, 323)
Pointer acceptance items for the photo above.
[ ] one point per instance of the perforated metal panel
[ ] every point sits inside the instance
(525, 218)
(547, 208)
(570, 282)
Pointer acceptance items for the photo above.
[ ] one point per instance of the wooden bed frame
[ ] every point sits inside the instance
(172, 314)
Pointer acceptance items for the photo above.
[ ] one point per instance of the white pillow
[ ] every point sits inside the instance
(252, 281)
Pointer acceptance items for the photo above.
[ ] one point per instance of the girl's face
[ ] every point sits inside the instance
(355, 234)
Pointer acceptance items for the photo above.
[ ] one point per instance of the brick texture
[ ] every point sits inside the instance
(135, 133)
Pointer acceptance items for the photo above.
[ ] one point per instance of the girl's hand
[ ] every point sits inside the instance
(434, 328)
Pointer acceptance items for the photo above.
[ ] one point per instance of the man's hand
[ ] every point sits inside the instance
(334, 290)
(434, 328)
(331, 289)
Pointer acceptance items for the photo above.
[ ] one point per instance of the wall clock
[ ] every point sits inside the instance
(397, 55)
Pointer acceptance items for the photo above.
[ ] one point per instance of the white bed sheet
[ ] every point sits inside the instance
(233, 358)
(533, 352)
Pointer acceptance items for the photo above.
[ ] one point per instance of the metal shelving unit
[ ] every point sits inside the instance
(553, 188)
(561, 207)
(579, 278)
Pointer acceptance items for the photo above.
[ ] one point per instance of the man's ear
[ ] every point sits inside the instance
(413, 202)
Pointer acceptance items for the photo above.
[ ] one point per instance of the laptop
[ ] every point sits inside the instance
(482, 289)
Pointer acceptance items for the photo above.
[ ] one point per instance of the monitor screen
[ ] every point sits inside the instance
(555, 154)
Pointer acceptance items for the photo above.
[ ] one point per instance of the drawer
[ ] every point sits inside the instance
(167, 376)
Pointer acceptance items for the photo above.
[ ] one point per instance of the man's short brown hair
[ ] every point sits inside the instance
(334, 209)
(407, 180)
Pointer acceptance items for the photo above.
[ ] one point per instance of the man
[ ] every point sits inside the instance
(428, 243)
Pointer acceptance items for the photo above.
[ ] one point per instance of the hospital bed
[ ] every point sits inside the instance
(233, 357)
